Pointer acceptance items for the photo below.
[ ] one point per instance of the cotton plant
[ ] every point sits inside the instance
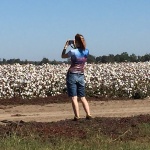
(104, 80)
(119, 79)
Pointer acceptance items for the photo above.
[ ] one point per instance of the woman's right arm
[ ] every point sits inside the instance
(64, 54)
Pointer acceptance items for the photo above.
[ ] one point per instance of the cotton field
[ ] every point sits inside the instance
(117, 80)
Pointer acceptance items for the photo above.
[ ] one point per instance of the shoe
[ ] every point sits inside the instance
(76, 118)
(88, 117)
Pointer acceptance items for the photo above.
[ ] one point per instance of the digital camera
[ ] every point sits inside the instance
(71, 42)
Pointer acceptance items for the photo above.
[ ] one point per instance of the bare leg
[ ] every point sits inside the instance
(85, 106)
(75, 106)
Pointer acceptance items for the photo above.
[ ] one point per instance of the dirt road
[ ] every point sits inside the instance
(55, 112)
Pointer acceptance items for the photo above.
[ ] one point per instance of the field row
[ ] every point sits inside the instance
(117, 80)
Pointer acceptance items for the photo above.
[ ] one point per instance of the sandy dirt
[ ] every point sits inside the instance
(56, 112)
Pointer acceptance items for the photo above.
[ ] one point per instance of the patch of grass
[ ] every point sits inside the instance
(98, 142)
(144, 129)
(17, 143)
(94, 143)
(131, 133)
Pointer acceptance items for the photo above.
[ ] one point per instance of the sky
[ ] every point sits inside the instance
(37, 29)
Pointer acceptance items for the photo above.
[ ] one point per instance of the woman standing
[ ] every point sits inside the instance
(75, 75)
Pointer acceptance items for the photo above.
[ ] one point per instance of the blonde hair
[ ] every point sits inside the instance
(80, 39)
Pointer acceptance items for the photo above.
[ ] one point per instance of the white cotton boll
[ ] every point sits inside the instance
(30, 90)
(130, 89)
(3, 92)
(15, 85)
(90, 86)
(40, 87)
(26, 88)
(132, 85)
(127, 74)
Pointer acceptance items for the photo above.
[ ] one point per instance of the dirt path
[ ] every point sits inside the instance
(55, 112)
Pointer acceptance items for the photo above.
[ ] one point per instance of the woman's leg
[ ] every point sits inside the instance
(75, 106)
(72, 90)
(85, 106)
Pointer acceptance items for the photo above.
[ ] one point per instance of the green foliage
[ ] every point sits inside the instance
(44, 61)
(91, 59)
(123, 57)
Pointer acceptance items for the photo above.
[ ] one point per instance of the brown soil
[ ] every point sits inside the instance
(59, 108)
(52, 117)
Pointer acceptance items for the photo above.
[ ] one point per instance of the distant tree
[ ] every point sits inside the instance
(111, 58)
(104, 59)
(99, 59)
(54, 62)
(36, 63)
(146, 57)
(133, 58)
(17, 60)
(117, 58)
(26, 61)
(142, 59)
(91, 59)
(4, 61)
(124, 57)
(44, 61)
(10, 61)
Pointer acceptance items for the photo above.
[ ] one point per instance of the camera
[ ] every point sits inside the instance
(71, 42)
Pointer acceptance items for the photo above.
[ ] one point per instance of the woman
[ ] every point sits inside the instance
(75, 75)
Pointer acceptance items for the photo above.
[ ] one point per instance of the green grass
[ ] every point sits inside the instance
(95, 142)
(132, 137)
(17, 143)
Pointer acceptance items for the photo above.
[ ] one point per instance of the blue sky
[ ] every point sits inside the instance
(34, 29)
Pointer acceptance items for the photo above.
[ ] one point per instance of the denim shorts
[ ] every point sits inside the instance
(75, 84)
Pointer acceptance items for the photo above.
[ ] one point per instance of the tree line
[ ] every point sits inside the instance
(123, 57)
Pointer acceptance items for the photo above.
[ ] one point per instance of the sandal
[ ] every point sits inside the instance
(88, 117)
(76, 118)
